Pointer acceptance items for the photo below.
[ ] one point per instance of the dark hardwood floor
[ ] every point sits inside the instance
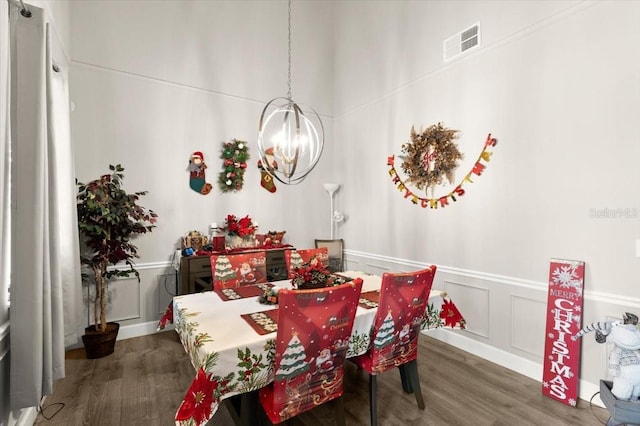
(143, 382)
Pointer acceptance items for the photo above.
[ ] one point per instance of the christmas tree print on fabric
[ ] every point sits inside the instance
(386, 333)
(404, 299)
(296, 260)
(293, 361)
(224, 270)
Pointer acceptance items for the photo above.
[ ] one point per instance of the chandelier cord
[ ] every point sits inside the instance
(289, 52)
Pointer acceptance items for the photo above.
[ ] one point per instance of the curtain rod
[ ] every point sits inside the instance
(24, 11)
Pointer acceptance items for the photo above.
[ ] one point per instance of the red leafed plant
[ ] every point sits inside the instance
(241, 227)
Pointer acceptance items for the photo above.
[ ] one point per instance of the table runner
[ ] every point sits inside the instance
(369, 299)
(242, 292)
(263, 322)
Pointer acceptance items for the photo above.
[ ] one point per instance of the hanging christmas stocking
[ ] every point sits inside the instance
(197, 174)
(266, 180)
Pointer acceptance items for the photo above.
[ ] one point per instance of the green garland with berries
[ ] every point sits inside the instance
(234, 155)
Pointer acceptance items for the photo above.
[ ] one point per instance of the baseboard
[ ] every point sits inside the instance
(137, 330)
(505, 359)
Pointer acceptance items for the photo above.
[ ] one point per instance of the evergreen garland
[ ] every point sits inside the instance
(235, 155)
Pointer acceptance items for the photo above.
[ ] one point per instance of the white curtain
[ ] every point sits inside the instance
(5, 165)
(45, 270)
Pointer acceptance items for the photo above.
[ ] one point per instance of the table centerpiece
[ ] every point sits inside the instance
(310, 275)
(240, 232)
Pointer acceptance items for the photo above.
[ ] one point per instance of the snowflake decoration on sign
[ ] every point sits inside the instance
(572, 402)
(566, 276)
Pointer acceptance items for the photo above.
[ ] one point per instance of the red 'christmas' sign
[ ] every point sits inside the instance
(564, 319)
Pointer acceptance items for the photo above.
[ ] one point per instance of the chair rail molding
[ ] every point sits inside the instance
(394, 262)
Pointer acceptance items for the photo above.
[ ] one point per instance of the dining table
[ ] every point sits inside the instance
(229, 336)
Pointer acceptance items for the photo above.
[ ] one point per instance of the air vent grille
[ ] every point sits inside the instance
(461, 42)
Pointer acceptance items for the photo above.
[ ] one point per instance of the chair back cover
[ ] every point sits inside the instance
(401, 308)
(295, 258)
(336, 253)
(314, 327)
(235, 270)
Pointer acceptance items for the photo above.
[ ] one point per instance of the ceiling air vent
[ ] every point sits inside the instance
(461, 42)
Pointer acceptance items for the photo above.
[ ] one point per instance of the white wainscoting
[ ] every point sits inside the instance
(506, 317)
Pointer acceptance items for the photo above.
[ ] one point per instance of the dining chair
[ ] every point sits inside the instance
(336, 253)
(311, 344)
(394, 337)
(295, 258)
(235, 270)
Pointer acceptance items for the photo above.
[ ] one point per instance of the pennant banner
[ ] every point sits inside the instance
(458, 191)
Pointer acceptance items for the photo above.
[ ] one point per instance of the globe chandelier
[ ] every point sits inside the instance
(290, 135)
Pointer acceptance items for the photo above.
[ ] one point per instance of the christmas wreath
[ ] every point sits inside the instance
(418, 176)
(235, 155)
(430, 157)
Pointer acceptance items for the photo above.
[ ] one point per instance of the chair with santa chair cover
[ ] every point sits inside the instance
(394, 338)
(314, 327)
(235, 270)
(296, 258)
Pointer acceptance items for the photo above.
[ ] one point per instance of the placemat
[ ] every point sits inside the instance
(263, 322)
(242, 292)
(369, 299)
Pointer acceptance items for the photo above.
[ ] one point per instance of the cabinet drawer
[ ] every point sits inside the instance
(275, 257)
(199, 264)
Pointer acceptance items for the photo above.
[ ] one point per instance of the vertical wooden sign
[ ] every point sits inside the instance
(560, 376)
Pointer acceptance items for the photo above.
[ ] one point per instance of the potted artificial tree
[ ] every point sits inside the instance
(108, 217)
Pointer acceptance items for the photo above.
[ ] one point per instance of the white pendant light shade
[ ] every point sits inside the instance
(290, 140)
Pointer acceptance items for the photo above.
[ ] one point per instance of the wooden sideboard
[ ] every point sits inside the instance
(195, 271)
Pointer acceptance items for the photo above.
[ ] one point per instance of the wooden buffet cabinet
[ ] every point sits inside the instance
(195, 271)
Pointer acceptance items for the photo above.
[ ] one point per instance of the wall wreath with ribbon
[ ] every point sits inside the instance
(429, 158)
(234, 163)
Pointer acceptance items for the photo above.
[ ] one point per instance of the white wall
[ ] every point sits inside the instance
(557, 83)
(154, 81)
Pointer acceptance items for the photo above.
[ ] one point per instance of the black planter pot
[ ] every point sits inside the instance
(99, 344)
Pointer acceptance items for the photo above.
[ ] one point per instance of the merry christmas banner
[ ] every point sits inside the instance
(435, 167)
(560, 376)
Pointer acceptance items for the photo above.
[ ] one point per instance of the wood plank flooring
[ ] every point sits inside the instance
(143, 382)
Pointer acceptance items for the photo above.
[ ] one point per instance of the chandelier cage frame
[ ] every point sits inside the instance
(289, 143)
